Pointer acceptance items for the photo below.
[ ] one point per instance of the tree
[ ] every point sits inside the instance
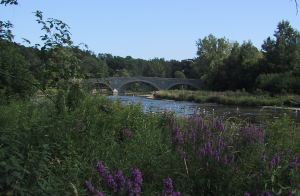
(6, 26)
(179, 74)
(282, 53)
(241, 68)
(60, 63)
(211, 53)
(16, 79)
(157, 68)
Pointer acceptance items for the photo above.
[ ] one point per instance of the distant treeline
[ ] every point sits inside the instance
(221, 64)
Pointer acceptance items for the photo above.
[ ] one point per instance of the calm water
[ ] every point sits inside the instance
(183, 108)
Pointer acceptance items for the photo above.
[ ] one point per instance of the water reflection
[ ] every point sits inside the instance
(183, 108)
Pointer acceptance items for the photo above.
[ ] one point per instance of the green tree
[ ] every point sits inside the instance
(157, 68)
(16, 79)
(240, 69)
(211, 53)
(282, 54)
(179, 74)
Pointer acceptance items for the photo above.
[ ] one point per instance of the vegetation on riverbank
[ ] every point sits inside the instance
(55, 140)
(46, 150)
(230, 98)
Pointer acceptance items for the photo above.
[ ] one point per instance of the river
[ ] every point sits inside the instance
(184, 108)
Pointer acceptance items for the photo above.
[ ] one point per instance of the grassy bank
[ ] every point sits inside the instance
(230, 98)
(43, 152)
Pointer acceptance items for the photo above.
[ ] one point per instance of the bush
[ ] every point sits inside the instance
(279, 82)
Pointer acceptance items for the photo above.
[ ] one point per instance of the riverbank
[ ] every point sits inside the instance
(49, 151)
(230, 98)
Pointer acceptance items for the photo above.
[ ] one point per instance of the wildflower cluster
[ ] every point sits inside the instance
(116, 181)
(134, 183)
(168, 189)
(252, 135)
(205, 141)
(218, 150)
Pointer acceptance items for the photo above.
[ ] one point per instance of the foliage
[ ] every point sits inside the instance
(5, 30)
(16, 79)
(9, 2)
(279, 82)
(179, 74)
(45, 153)
(283, 53)
(230, 98)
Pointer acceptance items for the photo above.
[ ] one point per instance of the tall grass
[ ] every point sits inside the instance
(230, 98)
(43, 152)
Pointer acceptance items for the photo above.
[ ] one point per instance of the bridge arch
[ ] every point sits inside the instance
(121, 88)
(183, 83)
(97, 85)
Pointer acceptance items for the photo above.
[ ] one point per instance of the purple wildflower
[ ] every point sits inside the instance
(168, 188)
(252, 134)
(99, 193)
(294, 162)
(119, 180)
(199, 122)
(247, 194)
(135, 183)
(101, 169)
(275, 161)
(177, 137)
(193, 138)
(207, 150)
(109, 180)
(219, 125)
(91, 189)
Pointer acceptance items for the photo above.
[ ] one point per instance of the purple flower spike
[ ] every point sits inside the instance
(91, 189)
(294, 162)
(177, 137)
(168, 188)
(247, 194)
(219, 125)
(101, 169)
(252, 134)
(111, 182)
(135, 183)
(99, 193)
(119, 180)
(275, 161)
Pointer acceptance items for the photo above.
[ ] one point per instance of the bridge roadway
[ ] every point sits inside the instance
(119, 83)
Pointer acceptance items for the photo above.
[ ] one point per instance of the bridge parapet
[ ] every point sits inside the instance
(159, 83)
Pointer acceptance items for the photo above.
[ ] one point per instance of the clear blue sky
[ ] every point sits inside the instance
(153, 28)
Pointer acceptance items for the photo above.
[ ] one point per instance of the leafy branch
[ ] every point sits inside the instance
(5, 30)
(9, 2)
(57, 33)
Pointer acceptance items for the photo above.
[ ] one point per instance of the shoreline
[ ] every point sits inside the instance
(289, 102)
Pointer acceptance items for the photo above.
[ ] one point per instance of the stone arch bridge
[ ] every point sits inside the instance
(119, 83)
